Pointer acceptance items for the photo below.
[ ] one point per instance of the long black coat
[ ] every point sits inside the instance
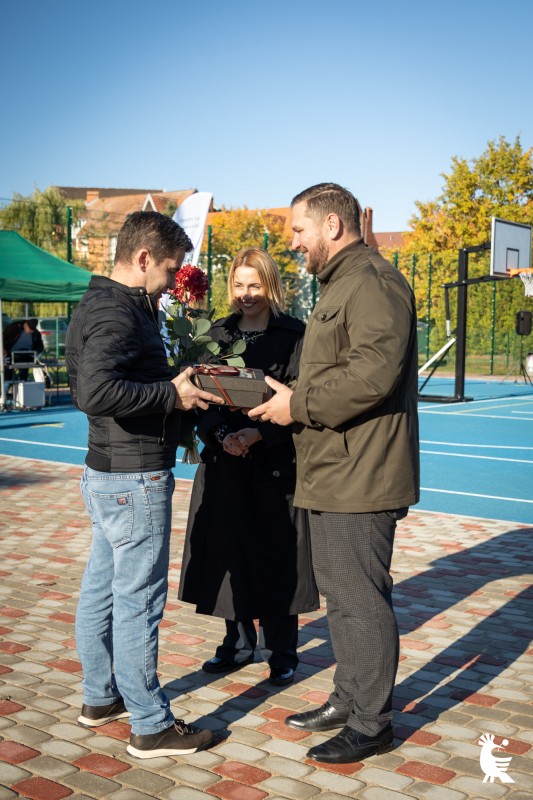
(247, 550)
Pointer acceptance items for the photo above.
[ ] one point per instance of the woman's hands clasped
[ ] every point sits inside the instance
(239, 443)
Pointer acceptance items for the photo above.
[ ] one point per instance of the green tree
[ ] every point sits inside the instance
(41, 218)
(170, 209)
(235, 229)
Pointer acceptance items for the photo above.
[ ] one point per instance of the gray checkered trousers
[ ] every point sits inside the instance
(351, 558)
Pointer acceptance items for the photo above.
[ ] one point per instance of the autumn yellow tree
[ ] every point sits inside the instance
(498, 183)
(235, 229)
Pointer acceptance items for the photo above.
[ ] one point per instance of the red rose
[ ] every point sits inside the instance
(191, 284)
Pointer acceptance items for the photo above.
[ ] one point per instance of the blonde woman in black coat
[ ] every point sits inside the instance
(247, 554)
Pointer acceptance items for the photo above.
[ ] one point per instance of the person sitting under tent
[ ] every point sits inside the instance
(22, 337)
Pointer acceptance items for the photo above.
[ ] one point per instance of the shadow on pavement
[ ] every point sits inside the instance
(460, 672)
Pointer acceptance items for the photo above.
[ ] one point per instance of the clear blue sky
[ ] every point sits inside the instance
(255, 101)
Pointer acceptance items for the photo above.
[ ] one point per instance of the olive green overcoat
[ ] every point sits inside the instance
(355, 401)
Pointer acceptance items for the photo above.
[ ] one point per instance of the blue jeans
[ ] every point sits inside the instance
(123, 593)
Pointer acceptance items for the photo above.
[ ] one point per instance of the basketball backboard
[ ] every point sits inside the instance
(510, 247)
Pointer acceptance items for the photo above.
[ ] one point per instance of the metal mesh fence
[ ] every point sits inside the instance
(492, 345)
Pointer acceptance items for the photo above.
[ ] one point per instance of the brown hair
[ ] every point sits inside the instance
(161, 236)
(268, 273)
(330, 198)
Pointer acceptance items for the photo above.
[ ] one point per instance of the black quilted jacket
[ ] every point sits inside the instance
(119, 376)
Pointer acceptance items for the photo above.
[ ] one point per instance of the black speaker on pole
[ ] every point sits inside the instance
(523, 323)
(523, 328)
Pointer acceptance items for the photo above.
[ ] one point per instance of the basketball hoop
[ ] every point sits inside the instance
(527, 278)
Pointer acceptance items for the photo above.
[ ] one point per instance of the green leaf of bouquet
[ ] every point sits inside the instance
(194, 353)
(213, 347)
(238, 347)
(201, 326)
(202, 340)
(211, 313)
(182, 326)
(236, 362)
(170, 361)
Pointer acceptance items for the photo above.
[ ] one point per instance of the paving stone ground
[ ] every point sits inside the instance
(463, 591)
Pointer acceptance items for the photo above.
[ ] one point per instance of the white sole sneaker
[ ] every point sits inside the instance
(158, 753)
(85, 722)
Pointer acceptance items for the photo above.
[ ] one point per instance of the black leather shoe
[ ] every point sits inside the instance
(325, 718)
(179, 740)
(94, 716)
(350, 745)
(215, 665)
(281, 676)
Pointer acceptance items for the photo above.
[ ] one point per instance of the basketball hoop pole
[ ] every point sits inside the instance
(462, 290)
(461, 284)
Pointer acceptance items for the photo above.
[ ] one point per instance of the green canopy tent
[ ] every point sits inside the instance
(29, 273)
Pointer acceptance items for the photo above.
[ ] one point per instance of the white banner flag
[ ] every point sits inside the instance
(192, 216)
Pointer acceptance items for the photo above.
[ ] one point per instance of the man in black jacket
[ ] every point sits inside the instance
(119, 376)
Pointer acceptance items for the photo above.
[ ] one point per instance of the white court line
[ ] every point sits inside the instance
(457, 444)
(471, 494)
(471, 402)
(44, 444)
(467, 455)
(521, 412)
(467, 416)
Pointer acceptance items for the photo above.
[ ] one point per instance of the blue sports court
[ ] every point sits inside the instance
(476, 457)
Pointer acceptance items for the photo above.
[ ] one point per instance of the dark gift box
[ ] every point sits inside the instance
(240, 387)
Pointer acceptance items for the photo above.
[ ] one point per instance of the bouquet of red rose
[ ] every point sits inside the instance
(186, 330)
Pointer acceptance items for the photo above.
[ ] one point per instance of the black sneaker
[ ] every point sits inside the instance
(94, 716)
(218, 665)
(179, 740)
(281, 676)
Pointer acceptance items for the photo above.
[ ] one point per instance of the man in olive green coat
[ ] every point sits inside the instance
(354, 410)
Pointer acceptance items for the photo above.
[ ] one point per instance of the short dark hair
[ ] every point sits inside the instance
(161, 236)
(330, 198)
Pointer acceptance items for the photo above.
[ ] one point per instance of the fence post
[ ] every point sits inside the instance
(69, 234)
(209, 265)
(265, 241)
(507, 361)
(313, 290)
(396, 259)
(413, 265)
(428, 318)
(492, 324)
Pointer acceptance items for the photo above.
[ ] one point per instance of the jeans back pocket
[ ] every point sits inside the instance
(115, 515)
